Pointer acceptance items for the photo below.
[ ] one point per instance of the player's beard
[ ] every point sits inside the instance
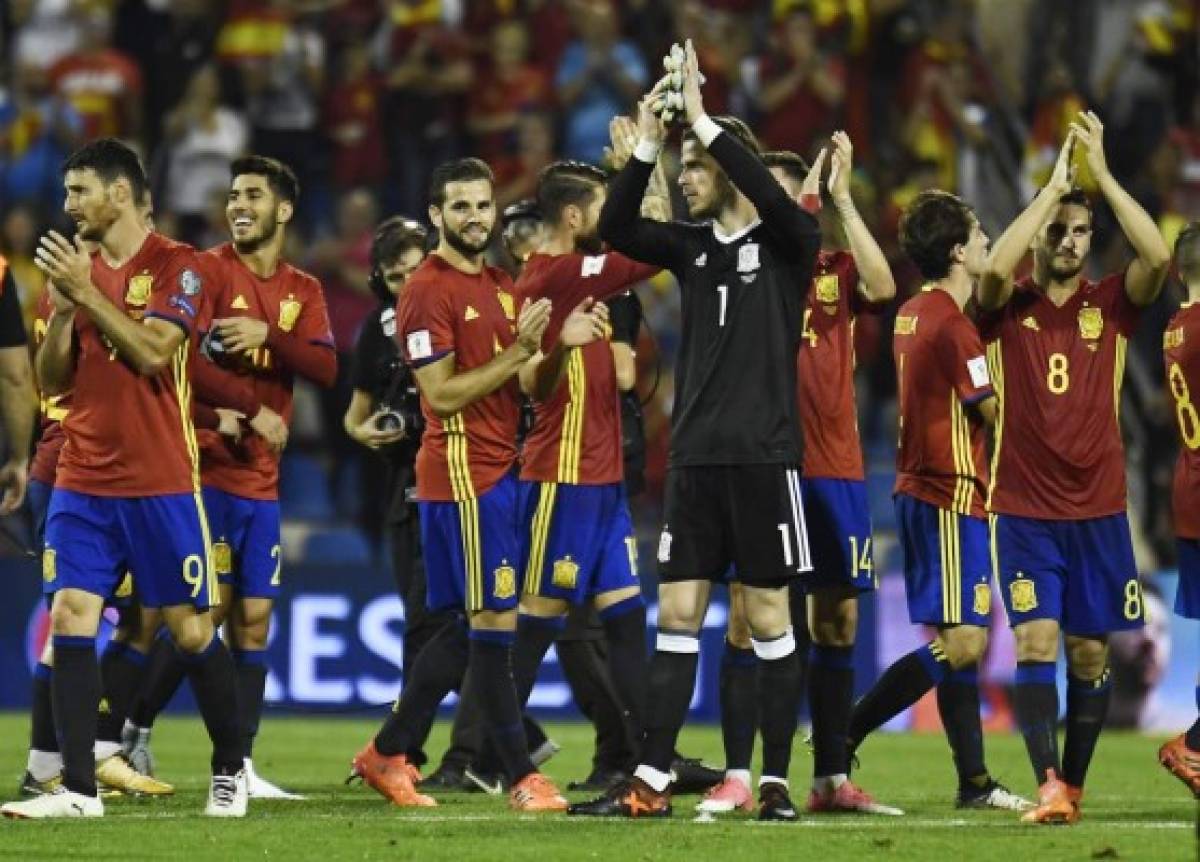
(96, 223)
(269, 227)
(589, 243)
(1065, 270)
(723, 194)
(463, 246)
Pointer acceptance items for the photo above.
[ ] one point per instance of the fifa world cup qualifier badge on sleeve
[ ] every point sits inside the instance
(189, 282)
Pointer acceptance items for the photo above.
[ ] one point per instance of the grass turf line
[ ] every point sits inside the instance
(1133, 810)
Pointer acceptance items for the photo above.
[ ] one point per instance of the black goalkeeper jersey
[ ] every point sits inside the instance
(743, 300)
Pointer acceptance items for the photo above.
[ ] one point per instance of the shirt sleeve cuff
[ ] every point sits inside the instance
(646, 151)
(706, 130)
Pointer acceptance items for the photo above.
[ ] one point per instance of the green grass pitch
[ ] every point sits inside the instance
(1133, 810)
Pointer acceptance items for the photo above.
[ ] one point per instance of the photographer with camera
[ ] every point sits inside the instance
(385, 416)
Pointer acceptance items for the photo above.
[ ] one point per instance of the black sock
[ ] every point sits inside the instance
(1035, 702)
(214, 682)
(625, 631)
(830, 698)
(490, 671)
(778, 702)
(165, 672)
(534, 637)
(1087, 707)
(41, 730)
(958, 705)
(1192, 737)
(252, 685)
(672, 679)
(900, 687)
(122, 669)
(75, 693)
(439, 669)
(739, 705)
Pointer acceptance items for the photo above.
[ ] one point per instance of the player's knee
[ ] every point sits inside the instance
(964, 645)
(74, 615)
(1086, 657)
(681, 607)
(192, 633)
(767, 613)
(738, 633)
(832, 621)
(1037, 641)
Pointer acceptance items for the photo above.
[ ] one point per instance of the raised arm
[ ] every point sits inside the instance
(796, 230)
(996, 283)
(1146, 274)
(876, 283)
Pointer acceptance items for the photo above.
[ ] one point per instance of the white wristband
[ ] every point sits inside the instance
(706, 129)
(646, 151)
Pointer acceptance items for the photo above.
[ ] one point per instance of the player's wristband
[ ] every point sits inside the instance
(706, 129)
(646, 151)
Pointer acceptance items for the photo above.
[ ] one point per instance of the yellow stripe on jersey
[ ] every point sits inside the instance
(457, 458)
(183, 397)
(960, 445)
(1118, 376)
(995, 360)
(539, 533)
(993, 548)
(468, 522)
(570, 444)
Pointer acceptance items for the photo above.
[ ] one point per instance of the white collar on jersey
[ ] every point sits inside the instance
(735, 236)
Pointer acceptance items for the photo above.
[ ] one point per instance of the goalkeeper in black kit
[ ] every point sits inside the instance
(744, 266)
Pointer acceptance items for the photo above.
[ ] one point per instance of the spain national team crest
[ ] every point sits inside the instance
(222, 556)
(506, 302)
(1023, 594)
(827, 289)
(289, 313)
(566, 574)
(983, 599)
(49, 566)
(504, 582)
(1091, 322)
(138, 290)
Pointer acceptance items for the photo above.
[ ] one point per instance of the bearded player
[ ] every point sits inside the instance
(1061, 544)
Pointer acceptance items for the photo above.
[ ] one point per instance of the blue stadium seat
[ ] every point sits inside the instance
(304, 488)
(336, 546)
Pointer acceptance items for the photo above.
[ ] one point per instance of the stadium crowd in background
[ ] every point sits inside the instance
(364, 97)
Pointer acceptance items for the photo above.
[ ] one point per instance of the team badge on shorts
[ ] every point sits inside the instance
(504, 584)
(983, 599)
(49, 569)
(289, 312)
(189, 282)
(222, 558)
(1091, 322)
(138, 291)
(566, 573)
(827, 290)
(1023, 594)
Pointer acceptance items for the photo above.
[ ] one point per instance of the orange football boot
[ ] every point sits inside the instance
(393, 778)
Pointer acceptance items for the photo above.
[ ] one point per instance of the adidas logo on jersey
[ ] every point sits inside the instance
(702, 259)
(239, 302)
(1030, 323)
(470, 313)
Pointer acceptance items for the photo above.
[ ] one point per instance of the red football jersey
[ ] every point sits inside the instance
(129, 435)
(1058, 371)
(941, 370)
(51, 408)
(441, 311)
(576, 436)
(292, 303)
(1181, 354)
(825, 371)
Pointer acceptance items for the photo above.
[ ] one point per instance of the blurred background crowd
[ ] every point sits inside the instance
(363, 97)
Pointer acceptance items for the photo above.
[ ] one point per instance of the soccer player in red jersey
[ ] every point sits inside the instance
(1181, 355)
(946, 398)
(459, 326)
(126, 493)
(580, 542)
(1061, 546)
(17, 397)
(269, 326)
